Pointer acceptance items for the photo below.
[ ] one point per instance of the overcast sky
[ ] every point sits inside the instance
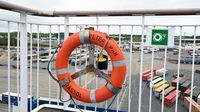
(108, 5)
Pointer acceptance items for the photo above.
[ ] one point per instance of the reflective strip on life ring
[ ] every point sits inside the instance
(92, 96)
(64, 81)
(112, 88)
(118, 66)
(84, 37)
(62, 71)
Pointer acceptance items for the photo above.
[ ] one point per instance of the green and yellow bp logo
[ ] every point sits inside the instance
(159, 37)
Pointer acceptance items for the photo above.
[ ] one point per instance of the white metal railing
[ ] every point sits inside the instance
(36, 76)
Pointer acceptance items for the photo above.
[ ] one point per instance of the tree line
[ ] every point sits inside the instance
(125, 37)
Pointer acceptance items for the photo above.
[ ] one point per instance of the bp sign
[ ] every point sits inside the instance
(160, 37)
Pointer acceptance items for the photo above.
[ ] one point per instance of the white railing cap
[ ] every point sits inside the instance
(18, 8)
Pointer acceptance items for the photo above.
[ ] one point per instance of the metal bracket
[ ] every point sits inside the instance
(91, 54)
(101, 74)
(91, 68)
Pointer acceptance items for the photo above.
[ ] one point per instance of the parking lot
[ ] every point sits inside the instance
(90, 81)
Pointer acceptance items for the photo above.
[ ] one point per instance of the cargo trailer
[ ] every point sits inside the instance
(188, 91)
(147, 74)
(167, 91)
(158, 84)
(185, 86)
(160, 72)
(155, 81)
(196, 92)
(183, 80)
(153, 78)
(159, 90)
(198, 100)
(174, 82)
(171, 98)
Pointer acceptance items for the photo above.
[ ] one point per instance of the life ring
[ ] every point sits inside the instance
(118, 66)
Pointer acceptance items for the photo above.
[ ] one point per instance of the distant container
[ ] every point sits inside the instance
(198, 100)
(196, 92)
(197, 71)
(158, 84)
(187, 92)
(167, 91)
(183, 80)
(0, 97)
(171, 98)
(155, 81)
(185, 86)
(195, 106)
(147, 74)
(161, 71)
(153, 78)
(174, 82)
(159, 90)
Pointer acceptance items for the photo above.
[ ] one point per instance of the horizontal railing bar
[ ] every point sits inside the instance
(11, 21)
(161, 25)
(114, 25)
(117, 25)
(149, 12)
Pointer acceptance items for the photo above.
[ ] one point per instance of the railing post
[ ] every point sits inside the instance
(130, 71)
(65, 94)
(178, 71)
(9, 103)
(93, 56)
(23, 63)
(193, 67)
(141, 64)
(66, 26)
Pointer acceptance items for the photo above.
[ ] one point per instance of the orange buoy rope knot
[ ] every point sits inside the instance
(115, 81)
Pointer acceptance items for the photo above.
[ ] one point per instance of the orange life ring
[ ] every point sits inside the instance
(118, 66)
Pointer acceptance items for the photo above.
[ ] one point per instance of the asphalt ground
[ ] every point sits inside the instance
(156, 103)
